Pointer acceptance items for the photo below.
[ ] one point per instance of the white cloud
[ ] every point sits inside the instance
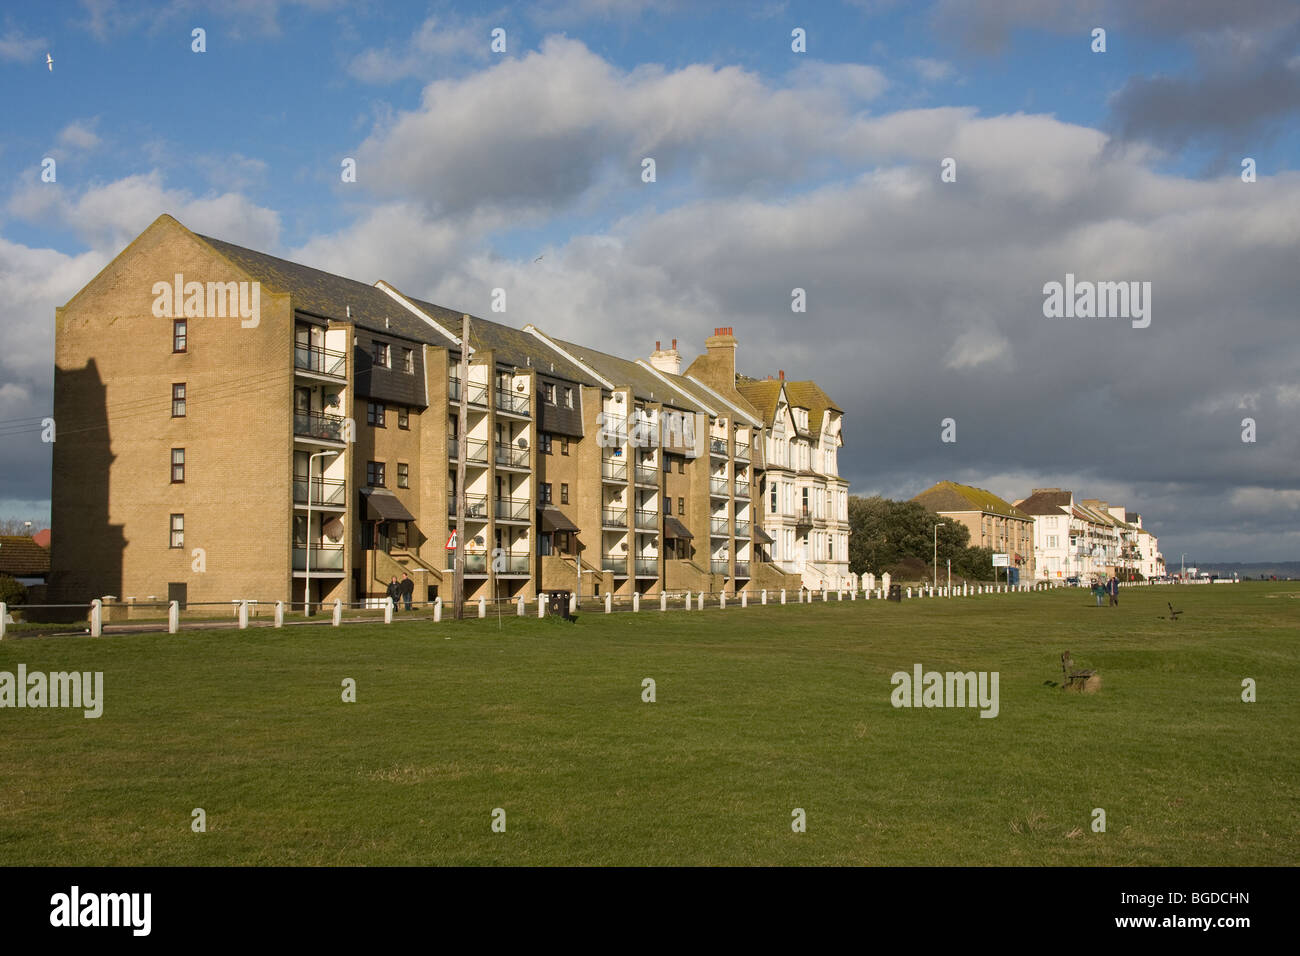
(932, 71)
(18, 47)
(80, 134)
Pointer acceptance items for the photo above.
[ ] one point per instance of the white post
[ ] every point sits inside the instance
(744, 599)
(826, 595)
(722, 599)
(762, 597)
(783, 595)
(609, 602)
(519, 605)
(663, 600)
(688, 600)
(573, 603)
(541, 606)
(636, 602)
(338, 612)
(482, 606)
(279, 614)
(97, 618)
(866, 595)
(173, 616)
(437, 610)
(388, 610)
(700, 604)
(4, 613)
(909, 594)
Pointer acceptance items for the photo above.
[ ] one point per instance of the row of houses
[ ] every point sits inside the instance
(1051, 536)
(230, 423)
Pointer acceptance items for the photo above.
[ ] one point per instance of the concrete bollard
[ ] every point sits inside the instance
(722, 599)
(609, 602)
(636, 602)
(826, 595)
(173, 616)
(4, 614)
(663, 600)
(762, 597)
(699, 606)
(242, 614)
(744, 599)
(909, 594)
(783, 595)
(437, 610)
(688, 600)
(573, 603)
(388, 610)
(482, 607)
(541, 606)
(519, 605)
(338, 613)
(97, 618)
(279, 614)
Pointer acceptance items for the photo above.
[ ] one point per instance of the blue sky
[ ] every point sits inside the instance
(775, 169)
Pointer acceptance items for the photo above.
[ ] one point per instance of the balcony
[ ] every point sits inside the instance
(324, 557)
(320, 361)
(475, 507)
(613, 470)
(512, 509)
(742, 489)
(718, 447)
(478, 395)
(476, 563)
(647, 475)
(742, 528)
(318, 425)
(453, 388)
(647, 521)
(509, 456)
(613, 518)
(476, 452)
(513, 564)
(742, 451)
(742, 569)
(325, 492)
(803, 517)
(647, 567)
(720, 527)
(718, 486)
(614, 565)
(720, 566)
(512, 403)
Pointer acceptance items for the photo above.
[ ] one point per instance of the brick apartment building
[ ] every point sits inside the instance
(225, 417)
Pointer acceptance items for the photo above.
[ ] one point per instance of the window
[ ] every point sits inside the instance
(375, 414)
(178, 335)
(379, 353)
(178, 400)
(177, 531)
(668, 463)
(564, 493)
(178, 466)
(375, 474)
(408, 361)
(403, 417)
(403, 475)
(681, 466)
(568, 397)
(546, 444)
(544, 493)
(668, 506)
(681, 506)
(564, 446)
(177, 591)
(773, 509)
(549, 391)
(544, 543)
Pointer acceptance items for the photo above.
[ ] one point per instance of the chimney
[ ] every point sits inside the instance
(780, 373)
(666, 360)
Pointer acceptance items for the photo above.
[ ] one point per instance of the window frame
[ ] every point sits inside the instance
(376, 414)
(373, 469)
(564, 492)
(403, 474)
(178, 464)
(381, 354)
(181, 336)
(403, 418)
(183, 405)
(173, 531)
(544, 494)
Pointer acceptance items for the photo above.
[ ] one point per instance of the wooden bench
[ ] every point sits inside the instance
(1173, 615)
(1073, 676)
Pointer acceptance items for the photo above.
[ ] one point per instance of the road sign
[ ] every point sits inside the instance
(1001, 560)
(451, 542)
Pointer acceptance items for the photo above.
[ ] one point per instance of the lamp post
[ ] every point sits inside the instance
(1182, 568)
(306, 587)
(936, 557)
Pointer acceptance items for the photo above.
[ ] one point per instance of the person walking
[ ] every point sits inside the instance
(1113, 587)
(407, 589)
(1098, 590)
(394, 591)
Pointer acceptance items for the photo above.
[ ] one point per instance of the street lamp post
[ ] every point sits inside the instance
(306, 587)
(936, 557)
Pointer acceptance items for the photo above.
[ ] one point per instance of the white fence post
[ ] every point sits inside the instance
(783, 595)
(609, 602)
(636, 601)
(173, 616)
(279, 614)
(338, 612)
(482, 607)
(541, 605)
(700, 606)
(4, 613)
(663, 600)
(744, 599)
(688, 600)
(762, 597)
(437, 610)
(97, 618)
(573, 603)
(388, 610)
(722, 599)
(519, 605)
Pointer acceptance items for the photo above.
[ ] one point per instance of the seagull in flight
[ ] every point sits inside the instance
(539, 258)
(49, 61)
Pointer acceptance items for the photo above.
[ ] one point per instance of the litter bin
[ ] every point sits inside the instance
(559, 605)
(896, 592)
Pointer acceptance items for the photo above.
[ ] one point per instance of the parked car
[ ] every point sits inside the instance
(1073, 582)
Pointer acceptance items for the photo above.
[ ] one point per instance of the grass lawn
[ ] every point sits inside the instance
(758, 711)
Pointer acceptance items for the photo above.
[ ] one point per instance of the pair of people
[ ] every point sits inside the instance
(1108, 587)
(401, 591)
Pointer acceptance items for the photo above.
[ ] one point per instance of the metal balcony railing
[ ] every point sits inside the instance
(647, 567)
(742, 569)
(647, 521)
(318, 425)
(718, 486)
(477, 395)
(614, 564)
(742, 528)
(742, 451)
(511, 455)
(514, 564)
(613, 470)
(321, 361)
(512, 509)
(803, 516)
(718, 446)
(647, 475)
(516, 403)
(719, 527)
(324, 557)
(476, 451)
(325, 492)
(742, 489)
(720, 566)
(614, 517)
(475, 507)
(476, 563)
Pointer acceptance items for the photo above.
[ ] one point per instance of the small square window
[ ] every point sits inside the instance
(544, 493)
(178, 400)
(403, 475)
(178, 335)
(178, 466)
(177, 531)
(375, 414)
(564, 494)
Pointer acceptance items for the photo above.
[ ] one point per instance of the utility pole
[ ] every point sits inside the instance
(936, 557)
(458, 577)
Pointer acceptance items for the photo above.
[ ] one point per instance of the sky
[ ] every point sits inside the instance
(821, 169)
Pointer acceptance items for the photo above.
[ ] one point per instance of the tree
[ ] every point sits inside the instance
(11, 592)
(883, 533)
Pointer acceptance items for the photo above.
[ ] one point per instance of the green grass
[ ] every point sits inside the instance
(758, 712)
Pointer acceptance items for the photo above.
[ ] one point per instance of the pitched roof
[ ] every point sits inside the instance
(645, 386)
(951, 496)
(21, 556)
(810, 396)
(763, 394)
(1046, 502)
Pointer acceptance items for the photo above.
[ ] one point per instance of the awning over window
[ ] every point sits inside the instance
(674, 529)
(761, 536)
(382, 505)
(553, 519)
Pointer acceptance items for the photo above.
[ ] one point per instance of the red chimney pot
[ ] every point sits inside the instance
(781, 372)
